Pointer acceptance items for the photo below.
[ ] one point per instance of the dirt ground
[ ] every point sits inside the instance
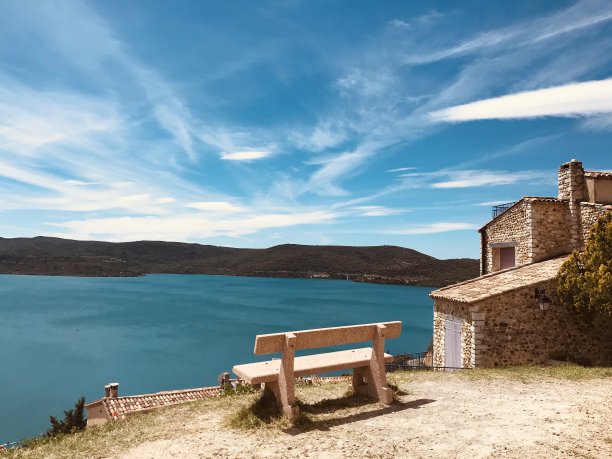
(443, 415)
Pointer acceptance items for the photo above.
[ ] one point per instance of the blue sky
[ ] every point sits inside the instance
(251, 124)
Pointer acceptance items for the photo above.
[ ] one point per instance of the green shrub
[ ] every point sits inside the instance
(74, 420)
(584, 282)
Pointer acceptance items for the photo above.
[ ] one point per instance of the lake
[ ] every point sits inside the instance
(66, 337)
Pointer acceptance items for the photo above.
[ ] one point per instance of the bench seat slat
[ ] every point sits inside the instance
(262, 372)
(322, 337)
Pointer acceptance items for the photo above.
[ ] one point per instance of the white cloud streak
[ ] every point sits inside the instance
(185, 227)
(571, 100)
(467, 178)
(216, 206)
(432, 228)
(377, 211)
(248, 155)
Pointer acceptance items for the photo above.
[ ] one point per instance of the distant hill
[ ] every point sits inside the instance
(380, 264)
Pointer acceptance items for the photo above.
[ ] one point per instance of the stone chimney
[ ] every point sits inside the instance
(107, 391)
(572, 188)
(571, 181)
(113, 390)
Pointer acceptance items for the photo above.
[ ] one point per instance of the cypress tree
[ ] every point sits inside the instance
(74, 420)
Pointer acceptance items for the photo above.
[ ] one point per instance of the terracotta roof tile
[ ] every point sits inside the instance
(500, 282)
(121, 406)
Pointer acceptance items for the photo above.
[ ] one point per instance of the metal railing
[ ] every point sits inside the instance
(414, 361)
(501, 208)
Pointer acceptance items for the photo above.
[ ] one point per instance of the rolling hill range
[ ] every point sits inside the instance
(380, 264)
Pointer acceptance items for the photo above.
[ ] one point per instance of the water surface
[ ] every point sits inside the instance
(63, 337)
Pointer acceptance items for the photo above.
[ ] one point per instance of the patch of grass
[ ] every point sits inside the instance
(321, 407)
(113, 438)
(529, 373)
(348, 400)
(240, 389)
(397, 392)
(264, 410)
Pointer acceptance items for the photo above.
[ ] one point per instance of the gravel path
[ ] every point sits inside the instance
(443, 416)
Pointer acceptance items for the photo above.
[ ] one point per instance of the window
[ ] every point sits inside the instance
(503, 255)
(506, 257)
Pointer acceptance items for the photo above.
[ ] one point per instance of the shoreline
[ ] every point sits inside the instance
(357, 278)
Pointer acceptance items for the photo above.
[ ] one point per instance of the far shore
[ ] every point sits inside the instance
(364, 278)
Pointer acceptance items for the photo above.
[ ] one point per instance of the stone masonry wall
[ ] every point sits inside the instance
(514, 225)
(438, 338)
(550, 232)
(571, 181)
(445, 309)
(510, 329)
(589, 213)
(515, 331)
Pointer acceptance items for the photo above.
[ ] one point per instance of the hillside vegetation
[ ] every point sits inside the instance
(381, 264)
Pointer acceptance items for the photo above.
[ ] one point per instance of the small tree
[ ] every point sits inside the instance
(74, 420)
(584, 282)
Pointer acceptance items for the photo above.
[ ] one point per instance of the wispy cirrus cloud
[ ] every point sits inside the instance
(493, 203)
(377, 211)
(384, 112)
(575, 99)
(581, 15)
(216, 206)
(467, 178)
(433, 228)
(33, 119)
(186, 227)
(106, 124)
(597, 123)
(476, 178)
(248, 155)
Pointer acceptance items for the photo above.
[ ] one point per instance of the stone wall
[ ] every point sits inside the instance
(468, 349)
(540, 228)
(444, 309)
(589, 213)
(510, 329)
(514, 225)
(438, 337)
(550, 233)
(572, 185)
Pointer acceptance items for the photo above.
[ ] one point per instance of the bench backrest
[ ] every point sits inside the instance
(322, 337)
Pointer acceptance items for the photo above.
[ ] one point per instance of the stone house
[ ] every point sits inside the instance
(509, 315)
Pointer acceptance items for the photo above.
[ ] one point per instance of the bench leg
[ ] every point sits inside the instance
(286, 398)
(362, 382)
(372, 380)
(284, 389)
(377, 367)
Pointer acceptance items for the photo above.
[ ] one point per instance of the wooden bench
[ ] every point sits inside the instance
(368, 364)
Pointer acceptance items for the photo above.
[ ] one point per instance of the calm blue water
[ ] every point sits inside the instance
(63, 337)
